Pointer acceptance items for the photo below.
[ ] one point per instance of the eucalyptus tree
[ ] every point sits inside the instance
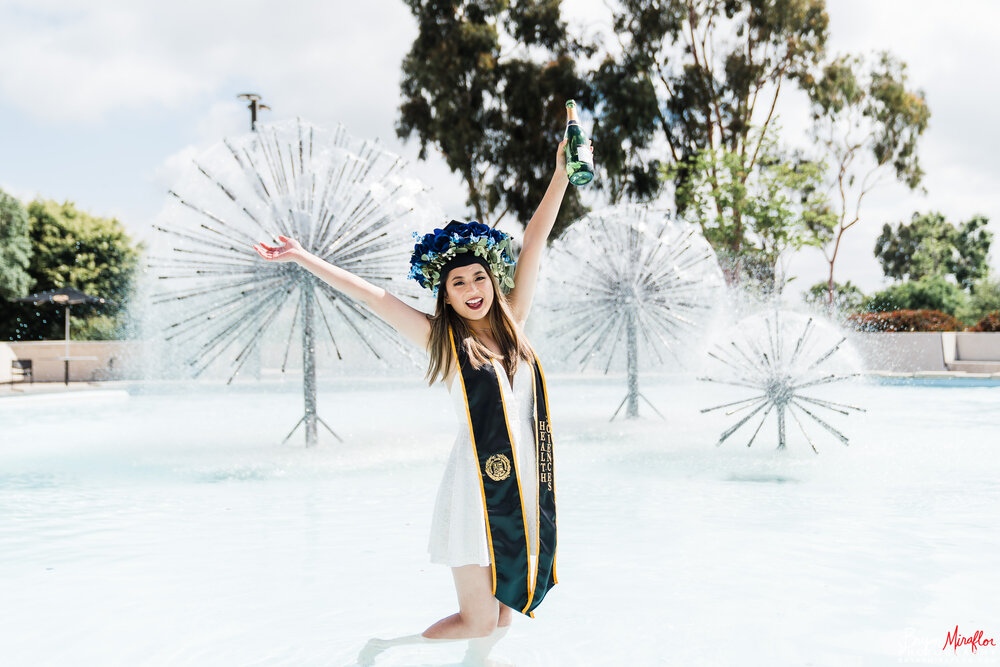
(485, 83)
(867, 121)
(694, 84)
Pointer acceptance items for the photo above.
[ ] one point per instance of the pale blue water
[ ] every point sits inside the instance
(168, 526)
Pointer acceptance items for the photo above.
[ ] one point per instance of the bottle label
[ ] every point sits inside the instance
(585, 155)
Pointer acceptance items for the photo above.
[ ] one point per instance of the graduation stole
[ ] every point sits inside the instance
(514, 583)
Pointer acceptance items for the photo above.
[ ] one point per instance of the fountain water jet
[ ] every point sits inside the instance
(758, 356)
(630, 274)
(346, 200)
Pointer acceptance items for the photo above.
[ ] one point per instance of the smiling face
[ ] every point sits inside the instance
(469, 291)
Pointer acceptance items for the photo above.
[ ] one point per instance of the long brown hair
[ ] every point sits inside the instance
(514, 346)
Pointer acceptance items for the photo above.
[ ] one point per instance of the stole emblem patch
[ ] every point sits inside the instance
(498, 467)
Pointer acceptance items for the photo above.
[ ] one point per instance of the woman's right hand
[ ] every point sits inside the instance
(284, 253)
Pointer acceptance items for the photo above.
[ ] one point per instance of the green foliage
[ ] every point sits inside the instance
(15, 248)
(972, 246)
(868, 110)
(98, 327)
(929, 246)
(932, 292)
(750, 219)
(866, 120)
(497, 117)
(74, 249)
(626, 125)
(847, 297)
(984, 298)
(693, 75)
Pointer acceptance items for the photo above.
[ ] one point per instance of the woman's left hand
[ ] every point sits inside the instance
(561, 157)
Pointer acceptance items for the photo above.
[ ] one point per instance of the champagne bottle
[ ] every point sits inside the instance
(579, 157)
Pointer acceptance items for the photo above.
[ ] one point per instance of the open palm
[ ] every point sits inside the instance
(284, 253)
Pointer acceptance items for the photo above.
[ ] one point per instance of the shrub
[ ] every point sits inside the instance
(15, 248)
(847, 297)
(984, 299)
(905, 320)
(928, 293)
(989, 323)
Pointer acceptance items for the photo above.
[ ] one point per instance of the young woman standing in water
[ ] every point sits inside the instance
(494, 519)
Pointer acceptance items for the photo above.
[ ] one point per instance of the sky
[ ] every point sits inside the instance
(104, 103)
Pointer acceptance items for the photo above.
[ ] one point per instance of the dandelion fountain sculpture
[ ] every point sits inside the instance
(346, 200)
(779, 358)
(629, 276)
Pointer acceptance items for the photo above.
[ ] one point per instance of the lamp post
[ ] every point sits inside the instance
(254, 107)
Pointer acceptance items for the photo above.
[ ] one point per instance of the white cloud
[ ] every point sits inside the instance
(82, 65)
(223, 119)
(67, 61)
(67, 64)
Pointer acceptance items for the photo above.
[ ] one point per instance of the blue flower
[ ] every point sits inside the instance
(441, 243)
(433, 251)
(478, 228)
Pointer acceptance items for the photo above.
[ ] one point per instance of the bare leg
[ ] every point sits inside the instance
(479, 612)
(481, 618)
(376, 646)
(505, 616)
(479, 648)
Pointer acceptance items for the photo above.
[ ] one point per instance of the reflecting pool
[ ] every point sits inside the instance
(166, 524)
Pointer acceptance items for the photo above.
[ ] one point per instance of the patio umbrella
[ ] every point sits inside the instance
(65, 296)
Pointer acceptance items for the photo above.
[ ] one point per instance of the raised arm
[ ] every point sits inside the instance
(535, 236)
(413, 324)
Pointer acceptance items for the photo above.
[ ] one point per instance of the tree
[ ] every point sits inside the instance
(930, 292)
(697, 76)
(929, 245)
(779, 205)
(984, 298)
(486, 82)
(868, 123)
(972, 251)
(73, 248)
(848, 297)
(15, 248)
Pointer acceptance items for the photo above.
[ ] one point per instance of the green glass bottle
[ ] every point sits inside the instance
(579, 157)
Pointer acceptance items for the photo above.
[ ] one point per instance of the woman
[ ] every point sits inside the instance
(486, 522)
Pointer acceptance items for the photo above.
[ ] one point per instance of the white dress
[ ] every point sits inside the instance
(458, 528)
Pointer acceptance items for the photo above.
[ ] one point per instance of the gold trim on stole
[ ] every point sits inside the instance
(548, 414)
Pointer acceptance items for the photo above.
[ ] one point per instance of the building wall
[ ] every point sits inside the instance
(109, 360)
(899, 352)
(914, 352)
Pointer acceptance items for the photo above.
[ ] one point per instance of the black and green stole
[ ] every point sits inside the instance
(499, 481)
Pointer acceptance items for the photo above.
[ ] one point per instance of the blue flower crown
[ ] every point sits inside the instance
(435, 250)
